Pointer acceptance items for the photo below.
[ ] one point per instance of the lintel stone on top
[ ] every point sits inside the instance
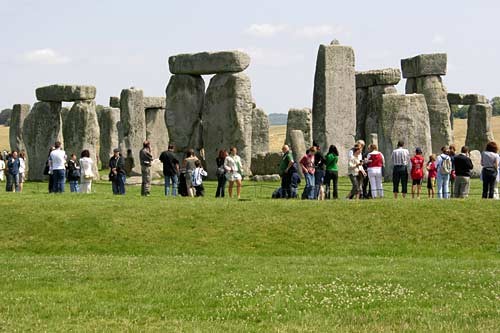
(65, 93)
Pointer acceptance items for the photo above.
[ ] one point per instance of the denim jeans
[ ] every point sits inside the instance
(59, 180)
(171, 180)
(443, 182)
(319, 177)
(12, 182)
(221, 186)
(309, 189)
(400, 174)
(118, 184)
(489, 177)
(73, 186)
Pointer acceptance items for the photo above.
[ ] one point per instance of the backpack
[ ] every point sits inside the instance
(445, 168)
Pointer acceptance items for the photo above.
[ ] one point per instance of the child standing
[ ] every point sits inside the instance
(197, 179)
(431, 176)
(417, 173)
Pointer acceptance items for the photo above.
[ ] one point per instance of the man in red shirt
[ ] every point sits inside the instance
(417, 172)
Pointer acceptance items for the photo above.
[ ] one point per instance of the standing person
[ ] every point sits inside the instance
(117, 173)
(417, 173)
(13, 166)
(463, 170)
(74, 174)
(400, 160)
(189, 164)
(431, 176)
(57, 162)
(489, 162)
(307, 165)
(319, 173)
(87, 175)
(287, 170)
(356, 174)
(170, 170)
(2, 168)
(198, 174)
(443, 165)
(221, 174)
(332, 171)
(146, 159)
(234, 168)
(22, 170)
(48, 171)
(129, 163)
(452, 152)
(375, 163)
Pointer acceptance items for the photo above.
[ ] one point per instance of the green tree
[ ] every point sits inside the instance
(495, 103)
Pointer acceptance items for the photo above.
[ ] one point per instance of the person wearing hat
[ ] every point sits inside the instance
(117, 172)
(417, 173)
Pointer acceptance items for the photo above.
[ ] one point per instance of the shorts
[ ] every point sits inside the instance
(189, 180)
(233, 176)
(431, 183)
(22, 177)
(417, 181)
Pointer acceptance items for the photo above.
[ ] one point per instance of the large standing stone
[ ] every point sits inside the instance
(436, 97)
(109, 119)
(475, 157)
(19, 113)
(300, 119)
(114, 102)
(133, 122)
(227, 118)
(424, 65)
(403, 117)
(65, 93)
(298, 146)
(41, 128)
(209, 63)
(361, 111)
(260, 132)
(81, 131)
(334, 100)
(266, 164)
(478, 126)
(185, 96)
(156, 130)
(373, 106)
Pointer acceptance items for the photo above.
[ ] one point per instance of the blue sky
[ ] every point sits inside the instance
(117, 44)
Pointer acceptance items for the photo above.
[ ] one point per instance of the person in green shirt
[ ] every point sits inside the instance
(287, 169)
(332, 171)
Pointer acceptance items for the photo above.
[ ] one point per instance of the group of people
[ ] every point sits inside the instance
(13, 170)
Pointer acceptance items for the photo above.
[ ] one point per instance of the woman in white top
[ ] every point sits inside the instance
(86, 166)
(232, 164)
(22, 170)
(356, 173)
(2, 169)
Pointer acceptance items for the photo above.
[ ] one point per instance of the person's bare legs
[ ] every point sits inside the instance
(419, 189)
(413, 191)
(238, 188)
(230, 189)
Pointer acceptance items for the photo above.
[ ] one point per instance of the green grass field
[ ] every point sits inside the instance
(104, 263)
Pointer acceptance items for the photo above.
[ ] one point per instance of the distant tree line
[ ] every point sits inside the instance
(461, 112)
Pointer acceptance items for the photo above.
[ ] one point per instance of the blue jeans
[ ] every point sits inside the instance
(309, 189)
(443, 182)
(59, 180)
(319, 177)
(74, 186)
(118, 184)
(174, 179)
(221, 186)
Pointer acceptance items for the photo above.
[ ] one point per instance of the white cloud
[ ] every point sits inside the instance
(315, 31)
(438, 39)
(45, 57)
(265, 30)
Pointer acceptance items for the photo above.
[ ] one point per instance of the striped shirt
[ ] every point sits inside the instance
(400, 157)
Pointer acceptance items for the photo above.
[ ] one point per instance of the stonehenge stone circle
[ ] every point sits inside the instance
(260, 132)
(227, 118)
(19, 113)
(403, 117)
(300, 119)
(479, 126)
(298, 146)
(209, 63)
(424, 65)
(334, 100)
(133, 122)
(65, 93)
(265, 164)
(109, 122)
(43, 123)
(154, 102)
(156, 130)
(379, 77)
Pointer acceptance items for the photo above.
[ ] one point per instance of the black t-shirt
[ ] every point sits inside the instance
(170, 163)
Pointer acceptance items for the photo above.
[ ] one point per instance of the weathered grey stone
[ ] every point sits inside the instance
(154, 102)
(114, 102)
(133, 122)
(260, 132)
(361, 110)
(41, 128)
(334, 100)
(372, 138)
(298, 147)
(300, 119)
(266, 164)
(109, 119)
(436, 97)
(411, 85)
(455, 99)
(266, 178)
(65, 93)
(227, 118)
(209, 63)
(19, 113)
(185, 96)
(479, 126)
(475, 157)
(424, 64)
(156, 130)
(387, 76)
(471, 99)
(373, 107)
(81, 131)
(403, 117)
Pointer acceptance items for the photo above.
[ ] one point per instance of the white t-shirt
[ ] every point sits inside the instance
(58, 159)
(22, 165)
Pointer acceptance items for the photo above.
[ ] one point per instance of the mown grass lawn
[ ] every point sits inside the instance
(105, 263)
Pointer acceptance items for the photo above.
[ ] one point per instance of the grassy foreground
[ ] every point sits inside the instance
(105, 263)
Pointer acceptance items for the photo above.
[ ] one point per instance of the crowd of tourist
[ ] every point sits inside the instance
(448, 174)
